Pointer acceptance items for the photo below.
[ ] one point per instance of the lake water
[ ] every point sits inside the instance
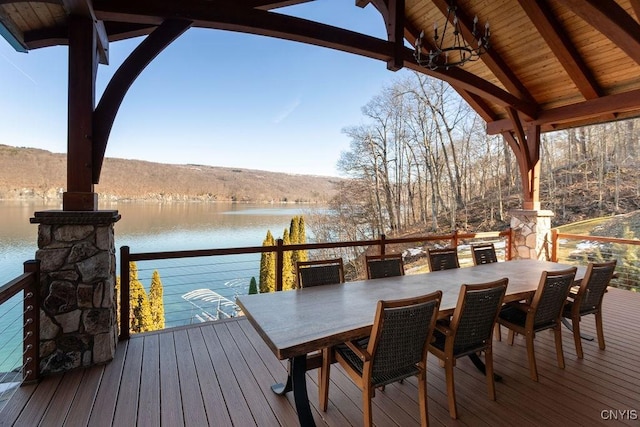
(154, 227)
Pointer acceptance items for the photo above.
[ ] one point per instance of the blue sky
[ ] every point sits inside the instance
(212, 97)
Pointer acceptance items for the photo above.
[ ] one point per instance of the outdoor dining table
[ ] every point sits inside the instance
(296, 323)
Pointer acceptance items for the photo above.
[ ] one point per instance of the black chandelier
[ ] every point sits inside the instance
(459, 51)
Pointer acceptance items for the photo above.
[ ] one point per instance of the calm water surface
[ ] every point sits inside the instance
(155, 227)
(152, 227)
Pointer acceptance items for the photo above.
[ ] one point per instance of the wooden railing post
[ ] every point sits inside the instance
(124, 293)
(554, 244)
(383, 237)
(509, 244)
(279, 263)
(31, 331)
(454, 239)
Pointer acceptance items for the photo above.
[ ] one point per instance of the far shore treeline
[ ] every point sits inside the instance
(34, 174)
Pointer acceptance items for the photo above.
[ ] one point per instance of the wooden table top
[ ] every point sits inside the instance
(298, 322)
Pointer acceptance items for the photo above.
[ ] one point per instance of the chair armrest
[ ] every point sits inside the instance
(445, 329)
(522, 306)
(359, 351)
(573, 292)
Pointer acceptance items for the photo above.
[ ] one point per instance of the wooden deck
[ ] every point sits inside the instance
(219, 374)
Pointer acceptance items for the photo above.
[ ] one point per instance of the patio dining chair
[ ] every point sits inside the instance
(469, 332)
(542, 313)
(443, 259)
(588, 300)
(396, 349)
(319, 272)
(484, 253)
(379, 266)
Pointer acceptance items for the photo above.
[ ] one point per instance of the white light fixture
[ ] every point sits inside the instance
(458, 52)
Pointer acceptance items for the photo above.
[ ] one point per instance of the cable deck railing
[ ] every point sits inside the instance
(226, 273)
(19, 331)
(579, 248)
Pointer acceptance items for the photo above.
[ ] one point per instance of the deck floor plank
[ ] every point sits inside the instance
(39, 402)
(239, 408)
(170, 397)
(63, 399)
(129, 393)
(84, 400)
(214, 403)
(346, 398)
(219, 374)
(105, 406)
(16, 404)
(251, 390)
(149, 404)
(278, 370)
(192, 402)
(283, 410)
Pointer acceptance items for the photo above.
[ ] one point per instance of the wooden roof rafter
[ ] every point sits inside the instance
(469, 82)
(611, 20)
(559, 43)
(475, 94)
(635, 4)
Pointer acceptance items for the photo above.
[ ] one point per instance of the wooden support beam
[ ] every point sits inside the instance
(518, 131)
(525, 144)
(85, 8)
(395, 33)
(83, 65)
(611, 104)
(532, 196)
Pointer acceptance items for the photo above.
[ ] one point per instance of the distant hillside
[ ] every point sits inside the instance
(28, 173)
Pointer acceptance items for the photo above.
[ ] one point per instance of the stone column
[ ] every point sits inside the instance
(78, 321)
(531, 234)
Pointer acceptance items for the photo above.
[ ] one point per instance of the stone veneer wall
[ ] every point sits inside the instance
(78, 321)
(531, 234)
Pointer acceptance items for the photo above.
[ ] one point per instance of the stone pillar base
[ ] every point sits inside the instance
(531, 234)
(78, 321)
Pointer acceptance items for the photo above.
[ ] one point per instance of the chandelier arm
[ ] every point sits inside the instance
(461, 50)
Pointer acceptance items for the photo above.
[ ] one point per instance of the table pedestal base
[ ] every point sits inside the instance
(297, 382)
(566, 323)
(479, 364)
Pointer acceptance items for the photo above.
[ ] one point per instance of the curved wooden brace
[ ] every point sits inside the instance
(105, 113)
(525, 144)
